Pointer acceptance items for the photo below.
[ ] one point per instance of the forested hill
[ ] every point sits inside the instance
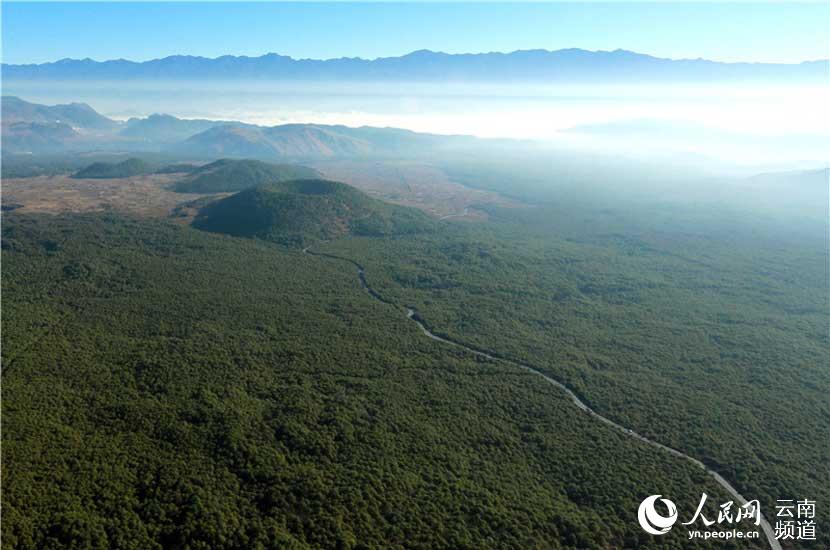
(301, 210)
(123, 169)
(227, 176)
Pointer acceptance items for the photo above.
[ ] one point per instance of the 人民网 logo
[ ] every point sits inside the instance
(725, 525)
(654, 522)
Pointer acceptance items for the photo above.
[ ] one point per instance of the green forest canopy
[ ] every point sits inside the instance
(166, 387)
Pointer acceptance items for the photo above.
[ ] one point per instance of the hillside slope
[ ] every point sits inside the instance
(292, 140)
(33, 128)
(76, 115)
(317, 141)
(228, 176)
(37, 137)
(160, 128)
(125, 169)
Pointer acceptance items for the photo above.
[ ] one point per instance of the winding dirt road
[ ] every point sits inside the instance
(412, 315)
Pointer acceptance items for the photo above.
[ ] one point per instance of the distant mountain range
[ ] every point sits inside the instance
(32, 128)
(526, 65)
(158, 128)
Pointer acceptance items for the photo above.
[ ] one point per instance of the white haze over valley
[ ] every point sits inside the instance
(714, 126)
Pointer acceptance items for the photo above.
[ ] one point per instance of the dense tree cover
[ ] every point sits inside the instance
(228, 176)
(301, 210)
(123, 169)
(178, 168)
(20, 166)
(26, 165)
(696, 327)
(166, 387)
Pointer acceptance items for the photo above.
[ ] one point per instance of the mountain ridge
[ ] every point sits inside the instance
(26, 129)
(533, 64)
(75, 114)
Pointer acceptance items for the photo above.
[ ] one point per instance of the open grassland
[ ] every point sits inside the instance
(148, 195)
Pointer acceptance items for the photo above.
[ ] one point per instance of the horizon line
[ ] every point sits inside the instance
(420, 51)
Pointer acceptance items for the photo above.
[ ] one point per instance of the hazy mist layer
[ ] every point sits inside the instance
(771, 125)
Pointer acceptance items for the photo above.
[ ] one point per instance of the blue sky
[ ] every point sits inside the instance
(36, 32)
